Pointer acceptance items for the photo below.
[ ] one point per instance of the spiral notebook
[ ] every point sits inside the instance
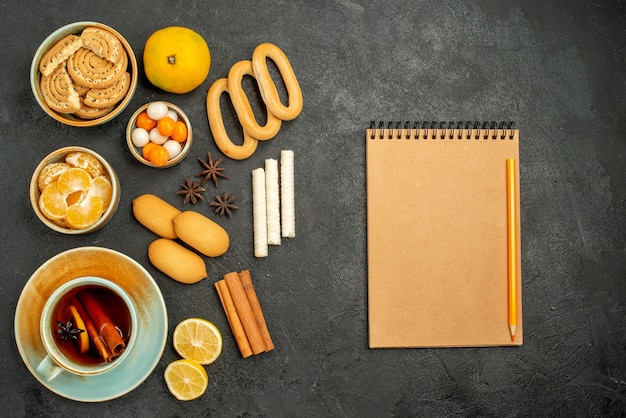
(437, 234)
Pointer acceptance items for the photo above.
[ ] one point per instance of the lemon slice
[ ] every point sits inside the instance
(198, 340)
(83, 337)
(186, 379)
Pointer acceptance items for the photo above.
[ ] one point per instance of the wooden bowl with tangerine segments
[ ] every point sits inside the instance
(137, 151)
(70, 118)
(52, 167)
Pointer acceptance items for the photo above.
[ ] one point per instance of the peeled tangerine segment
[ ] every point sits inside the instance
(101, 186)
(85, 213)
(74, 180)
(85, 161)
(51, 173)
(52, 202)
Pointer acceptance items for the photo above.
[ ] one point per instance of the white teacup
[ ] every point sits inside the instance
(61, 343)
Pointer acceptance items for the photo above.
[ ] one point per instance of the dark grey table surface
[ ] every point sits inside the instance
(556, 68)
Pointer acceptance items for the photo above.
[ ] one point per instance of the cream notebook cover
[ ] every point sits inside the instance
(437, 235)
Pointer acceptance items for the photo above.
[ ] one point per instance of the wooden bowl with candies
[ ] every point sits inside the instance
(159, 134)
(74, 190)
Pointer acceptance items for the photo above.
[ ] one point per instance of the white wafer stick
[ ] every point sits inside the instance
(259, 212)
(287, 194)
(273, 201)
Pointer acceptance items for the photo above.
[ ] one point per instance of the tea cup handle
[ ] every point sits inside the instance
(48, 369)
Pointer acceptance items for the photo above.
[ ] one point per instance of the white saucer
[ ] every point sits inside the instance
(151, 329)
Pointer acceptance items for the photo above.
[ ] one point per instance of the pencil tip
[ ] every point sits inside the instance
(512, 329)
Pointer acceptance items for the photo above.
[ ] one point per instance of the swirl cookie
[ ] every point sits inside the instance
(81, 90)
(88, 112)
(88, 69)
(103, 43)
(58, 91)
(57, 55)
(108, 96)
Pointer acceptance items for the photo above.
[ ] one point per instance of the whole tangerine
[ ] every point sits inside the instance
(176, 59)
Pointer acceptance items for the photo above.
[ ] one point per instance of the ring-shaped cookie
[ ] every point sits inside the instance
(242, 104)
(267, 86)
(216, 122)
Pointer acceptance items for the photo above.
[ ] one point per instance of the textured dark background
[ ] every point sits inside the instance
(557, 68)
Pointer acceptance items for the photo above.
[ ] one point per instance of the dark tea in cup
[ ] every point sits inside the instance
(87, 328)
(91, 325)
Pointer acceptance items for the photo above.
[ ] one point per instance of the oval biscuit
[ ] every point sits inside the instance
(176, 261)
(155, 214)
(201, 233)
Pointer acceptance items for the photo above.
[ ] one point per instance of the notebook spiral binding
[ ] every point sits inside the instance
(441, 130)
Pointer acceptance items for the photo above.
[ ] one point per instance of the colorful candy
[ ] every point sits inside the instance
(159, 133)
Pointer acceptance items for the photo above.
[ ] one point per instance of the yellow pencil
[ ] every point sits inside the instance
(512, 244)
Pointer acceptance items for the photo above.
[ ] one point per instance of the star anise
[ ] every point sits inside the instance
(211, 171)
(224, 204)
(67, 331)
(192, 190)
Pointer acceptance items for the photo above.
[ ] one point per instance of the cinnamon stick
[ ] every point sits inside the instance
(233, 319)
(248, 287)
(92, 331)
(244, 311)
(103, 324)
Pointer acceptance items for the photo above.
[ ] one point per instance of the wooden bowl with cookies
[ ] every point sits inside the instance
(74, 190)
(84, 74)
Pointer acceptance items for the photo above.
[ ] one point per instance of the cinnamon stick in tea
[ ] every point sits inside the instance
(233, 319)
(244, 311)
(248, 287)
(92, 331)
(107, 329)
